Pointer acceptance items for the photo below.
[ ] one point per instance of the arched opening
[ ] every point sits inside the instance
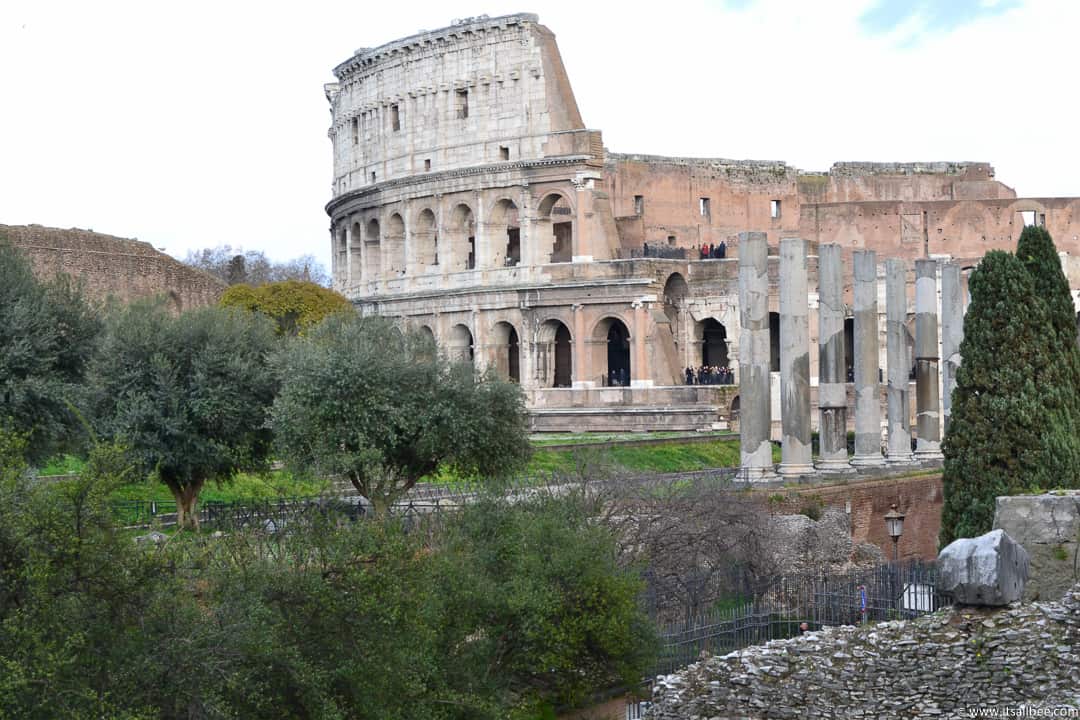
(614, 339)
(714, 349)
(425, 240)
(462, 237)
(427, 347)
(849, 349)
(507, 351)
(733, 414)
(394, 246)
(357, 252)
(341, 253)
(505, 234)
(553, 355)
(372, 251)
(555, 212)
(460, 344)
(774, 342)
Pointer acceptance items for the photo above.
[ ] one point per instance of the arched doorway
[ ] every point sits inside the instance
(356, 252)
(505, 230)
(462, 238)
(427, 347)
(555, 212)
(774, 342)
(372, 251)
(507, 351)
(554, 366)
(714, 349)
(614, 338)
(425, 240)
(395, 246)
(460, 345)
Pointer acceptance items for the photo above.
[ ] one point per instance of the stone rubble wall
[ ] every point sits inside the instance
(939, 665)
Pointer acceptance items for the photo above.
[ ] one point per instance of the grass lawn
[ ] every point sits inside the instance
(246, 486)
(545, 439)
(674, 457)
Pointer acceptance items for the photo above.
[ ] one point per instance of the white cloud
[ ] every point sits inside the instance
(197, 124)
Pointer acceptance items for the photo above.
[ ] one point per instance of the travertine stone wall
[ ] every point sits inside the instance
(939, 665)
(113, 267)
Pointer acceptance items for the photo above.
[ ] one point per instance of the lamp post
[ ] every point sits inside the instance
(894, 524)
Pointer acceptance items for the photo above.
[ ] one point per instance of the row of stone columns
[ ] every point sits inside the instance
(754, 379)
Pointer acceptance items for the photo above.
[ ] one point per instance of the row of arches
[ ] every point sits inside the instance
(375, 250)
(553, 351)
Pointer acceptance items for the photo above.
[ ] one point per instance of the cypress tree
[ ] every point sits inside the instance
(996, 443)
(1036, 251)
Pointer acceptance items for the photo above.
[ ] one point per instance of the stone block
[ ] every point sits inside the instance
(1048, 526)
(991, 569)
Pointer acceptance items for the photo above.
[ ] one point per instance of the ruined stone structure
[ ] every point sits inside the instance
(948, 664)
(470, 200)
(113, 267)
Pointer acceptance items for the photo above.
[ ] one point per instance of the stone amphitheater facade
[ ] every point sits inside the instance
(470, 200)
(113, 267)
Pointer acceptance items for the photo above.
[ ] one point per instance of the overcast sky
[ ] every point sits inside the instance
(192, 124)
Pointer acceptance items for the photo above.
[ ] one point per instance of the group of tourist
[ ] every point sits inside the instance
(618, 378)
(710, 375)
(714, 252)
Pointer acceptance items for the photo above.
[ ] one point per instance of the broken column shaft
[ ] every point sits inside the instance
(755, 417)
(796, 451)
(899, 406)
(952, 333)
(927, 393)
(832, 365)
(867, 393)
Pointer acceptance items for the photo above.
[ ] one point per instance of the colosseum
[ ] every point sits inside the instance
(470, 200)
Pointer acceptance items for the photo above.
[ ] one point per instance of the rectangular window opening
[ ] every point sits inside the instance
(774, 209)
(504, 153)
(356, 131)
(703, 206)
(461, 100)
(1028, 217)
(372, 176)
(395, 118)
(639, 204)
(427, 164)
(1042, 219)
(670, 239)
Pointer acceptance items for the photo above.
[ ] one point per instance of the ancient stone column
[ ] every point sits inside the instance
(867, 392)
(896, 348)
(952, 332)
(927, 391)
(795, 458)
(755, 418)
(832, 390)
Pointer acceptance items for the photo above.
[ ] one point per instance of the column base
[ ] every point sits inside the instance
(931, 451)
(757, 474)
(901, 459)
(867, 461)
(834, 466)
(789, 469)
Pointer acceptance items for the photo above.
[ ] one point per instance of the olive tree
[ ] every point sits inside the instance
(189, 395)
(364, 401)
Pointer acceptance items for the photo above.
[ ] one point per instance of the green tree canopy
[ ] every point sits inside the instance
(293, 304)
(47, 334)
(189, 395)
(1001, 437)
(361, 400)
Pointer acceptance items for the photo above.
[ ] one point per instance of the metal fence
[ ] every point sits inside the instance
(885, 592)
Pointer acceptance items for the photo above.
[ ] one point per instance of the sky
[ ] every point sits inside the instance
(196, 124)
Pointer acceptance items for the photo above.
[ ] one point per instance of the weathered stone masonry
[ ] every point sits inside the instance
(113, 267)
(939, 665)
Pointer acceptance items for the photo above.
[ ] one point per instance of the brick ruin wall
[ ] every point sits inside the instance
(113, 267)
(867, 501)
(940, 665)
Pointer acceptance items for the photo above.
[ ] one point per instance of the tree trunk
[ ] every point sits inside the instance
(186, 496)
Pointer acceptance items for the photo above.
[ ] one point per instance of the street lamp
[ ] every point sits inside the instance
(894, 524)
